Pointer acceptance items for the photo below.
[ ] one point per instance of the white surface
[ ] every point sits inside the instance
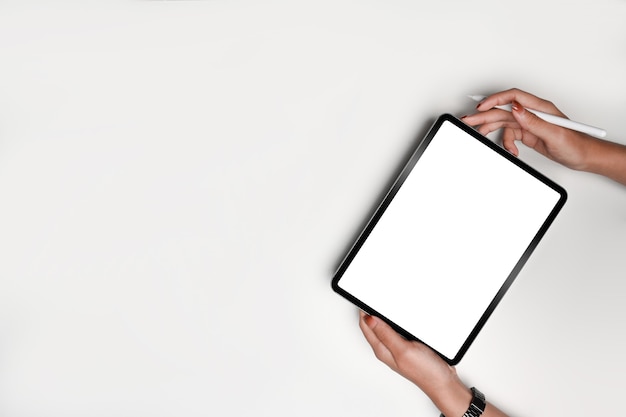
(180, 179)
(446, 243)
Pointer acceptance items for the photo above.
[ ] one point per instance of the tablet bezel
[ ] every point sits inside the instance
(394, 190)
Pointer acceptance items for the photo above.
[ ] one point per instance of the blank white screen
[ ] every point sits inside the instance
(449, 239)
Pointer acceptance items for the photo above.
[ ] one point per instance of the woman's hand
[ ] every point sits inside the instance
(570, 148)
(419, 364)
(562, 145)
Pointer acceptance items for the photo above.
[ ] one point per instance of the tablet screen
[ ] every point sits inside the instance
(449, 238)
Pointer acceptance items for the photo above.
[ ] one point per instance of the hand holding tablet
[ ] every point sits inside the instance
(449, 238)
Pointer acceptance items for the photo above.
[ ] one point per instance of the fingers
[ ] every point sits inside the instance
(380, 350)
(489, 117)
(533, 124)
(519, 124)
(491, 120)
(525, 99)
(508, 140)
(494, 119)
(411, 359)
(384, 336)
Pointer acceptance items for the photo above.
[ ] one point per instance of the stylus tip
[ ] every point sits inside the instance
(476, 97)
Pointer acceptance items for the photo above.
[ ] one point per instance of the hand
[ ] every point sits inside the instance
(562, 145)
(573, 149)
(419, 364)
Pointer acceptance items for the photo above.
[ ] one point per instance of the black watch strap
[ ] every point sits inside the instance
(477, 406)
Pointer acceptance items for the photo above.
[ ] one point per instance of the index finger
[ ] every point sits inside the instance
(525, 99)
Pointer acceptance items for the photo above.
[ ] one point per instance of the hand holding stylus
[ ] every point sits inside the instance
(573, 149)
(555, 120)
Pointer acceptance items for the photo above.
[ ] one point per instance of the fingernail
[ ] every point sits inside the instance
(463, 117)
(369, 320)
(516, 106)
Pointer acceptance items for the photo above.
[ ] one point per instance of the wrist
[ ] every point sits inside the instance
(607, 159)
(592, 155)
(452, 399)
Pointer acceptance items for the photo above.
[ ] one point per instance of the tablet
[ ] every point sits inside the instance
(449, 238)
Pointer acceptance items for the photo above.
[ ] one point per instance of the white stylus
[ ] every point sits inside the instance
(556, 120)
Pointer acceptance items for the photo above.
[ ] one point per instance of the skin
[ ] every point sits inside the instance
(572, 149)
(420, 365)
(415, 361)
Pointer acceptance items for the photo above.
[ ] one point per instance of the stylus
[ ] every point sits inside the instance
(556, 120)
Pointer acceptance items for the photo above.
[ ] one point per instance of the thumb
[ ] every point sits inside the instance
(387, 336)
(532, 123)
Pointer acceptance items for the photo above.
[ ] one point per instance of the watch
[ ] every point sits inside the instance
(477, 406)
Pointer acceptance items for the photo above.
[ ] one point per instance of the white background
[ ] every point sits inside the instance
(179, 179)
